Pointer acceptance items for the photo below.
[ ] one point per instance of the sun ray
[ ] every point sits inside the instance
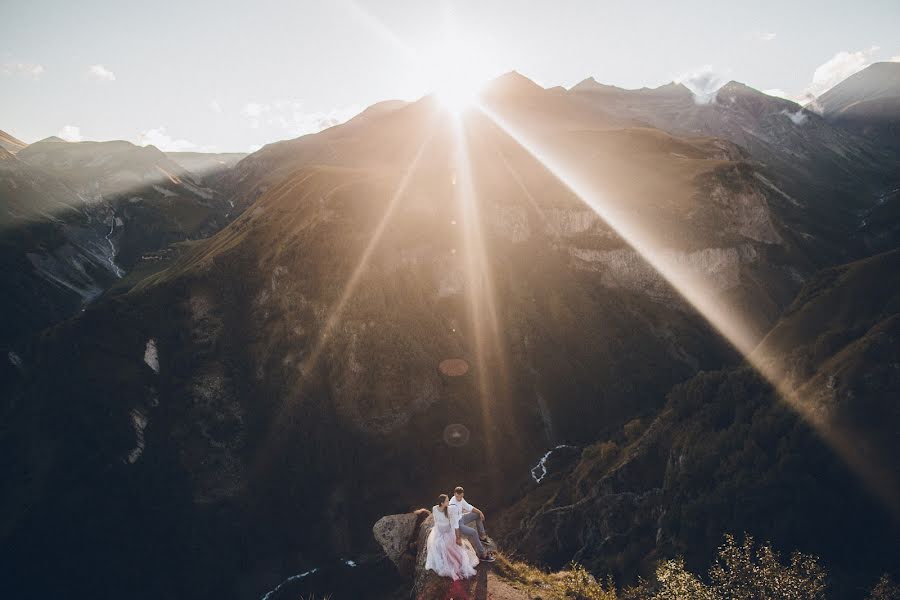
(280, 424)
(696, 290)
(378, 27)
(334, 314)
(491, 385)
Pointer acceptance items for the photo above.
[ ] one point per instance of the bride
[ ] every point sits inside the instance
(448, 555)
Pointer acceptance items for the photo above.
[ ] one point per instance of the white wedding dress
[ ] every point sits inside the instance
(444, 557)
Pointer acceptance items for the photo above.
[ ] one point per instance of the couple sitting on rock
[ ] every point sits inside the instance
(454, 548)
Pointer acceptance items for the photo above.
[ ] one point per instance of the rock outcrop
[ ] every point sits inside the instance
(394, 533)
(398, 535)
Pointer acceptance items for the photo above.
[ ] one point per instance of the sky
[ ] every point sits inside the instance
(227, 76)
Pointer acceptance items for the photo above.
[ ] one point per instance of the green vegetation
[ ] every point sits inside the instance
(885, 589)
(574, 582)
(745, 571)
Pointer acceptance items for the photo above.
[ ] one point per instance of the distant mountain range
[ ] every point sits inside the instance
(75, 217)
(270, 375)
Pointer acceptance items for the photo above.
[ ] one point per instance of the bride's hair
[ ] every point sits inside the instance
(441, 500)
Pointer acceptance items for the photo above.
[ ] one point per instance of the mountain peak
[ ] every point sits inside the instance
(592, 85)
(512, 83)
(673, 88)
(10, 143)
(879, 82)
(737, 86)
(888, 66)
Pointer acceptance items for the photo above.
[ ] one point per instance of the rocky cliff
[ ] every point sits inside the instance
(726, 454)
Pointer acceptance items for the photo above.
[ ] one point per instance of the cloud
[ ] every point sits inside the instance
(70, 133)
(798, 118)
(163, 141)
(254, 147)
(838, 68)
(801, 99)
(830, 73)
(704, 82)
(778, 93)
(305, 123)
(763, 36)
(29, 70)
(101, 73)
(290, 118)
(215, 106)
(255, 109)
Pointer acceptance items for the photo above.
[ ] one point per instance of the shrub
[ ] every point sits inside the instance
(577, 583)
(885, 589)
(673, 582)
(741, 573)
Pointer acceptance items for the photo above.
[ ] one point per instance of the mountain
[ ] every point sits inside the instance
(727, 454)
(878, 81)
(825, 175)
(9, 143)
(53, 255)
(867, 103)
(204, 164)
(495, 316)
(416, 297)
(75, 217)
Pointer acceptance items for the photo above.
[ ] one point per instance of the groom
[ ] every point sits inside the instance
(467, 514)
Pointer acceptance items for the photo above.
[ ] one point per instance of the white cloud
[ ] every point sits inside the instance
(215, 106)
(797, 118)
(778, 93)
(830, 73)
(838, 68)
(255, 109)
(763, 36)
(70, 133)
(101, 73)
(289, 117)
(704, 82)
(163, 141)
(304, 123)
(30, 70)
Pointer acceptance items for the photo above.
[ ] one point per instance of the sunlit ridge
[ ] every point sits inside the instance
(694, 288)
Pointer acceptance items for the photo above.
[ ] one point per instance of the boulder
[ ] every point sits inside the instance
(397, 535)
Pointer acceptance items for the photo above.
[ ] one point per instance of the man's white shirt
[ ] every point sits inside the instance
(463, 507)
(454, 514)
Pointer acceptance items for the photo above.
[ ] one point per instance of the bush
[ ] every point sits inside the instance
(578, 584)
(885, 589)
(741, 572)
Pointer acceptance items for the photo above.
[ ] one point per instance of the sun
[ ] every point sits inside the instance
(457, 70)
(457, 96)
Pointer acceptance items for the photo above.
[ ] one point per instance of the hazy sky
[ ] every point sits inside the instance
(221, 75)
